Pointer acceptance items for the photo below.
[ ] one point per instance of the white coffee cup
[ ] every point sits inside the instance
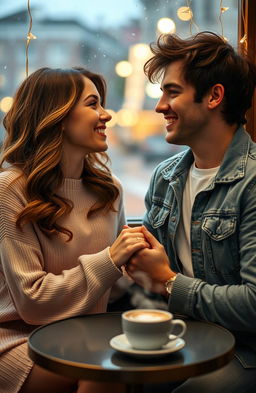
(150, 328)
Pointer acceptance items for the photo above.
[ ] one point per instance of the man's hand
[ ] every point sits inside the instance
(149, 267)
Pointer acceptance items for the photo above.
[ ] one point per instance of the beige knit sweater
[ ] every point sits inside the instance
(43, 280)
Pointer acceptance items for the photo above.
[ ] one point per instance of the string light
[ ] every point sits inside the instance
(186, 14)
(191, 20)
(30, 36)
(244, 27)
(222, 10)
(243, 39)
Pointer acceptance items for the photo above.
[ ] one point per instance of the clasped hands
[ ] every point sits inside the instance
(143, 257)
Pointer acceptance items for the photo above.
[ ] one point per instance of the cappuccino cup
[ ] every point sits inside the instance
(150, 329)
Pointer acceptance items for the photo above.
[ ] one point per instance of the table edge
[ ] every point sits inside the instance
(127, 375)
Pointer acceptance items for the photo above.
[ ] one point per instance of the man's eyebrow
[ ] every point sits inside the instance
(167, 86)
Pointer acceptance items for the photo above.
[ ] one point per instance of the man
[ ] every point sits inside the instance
(201, 203)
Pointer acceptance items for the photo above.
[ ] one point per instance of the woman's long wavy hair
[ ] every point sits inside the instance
(34, 145)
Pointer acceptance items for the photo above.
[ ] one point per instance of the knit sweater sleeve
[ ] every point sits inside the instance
(121, 212)
(41, 296)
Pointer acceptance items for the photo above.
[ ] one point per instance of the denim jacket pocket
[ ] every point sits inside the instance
(157, 215)
(220, 246)
(219, 228)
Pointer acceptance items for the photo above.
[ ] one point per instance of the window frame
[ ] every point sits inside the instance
(246, 25)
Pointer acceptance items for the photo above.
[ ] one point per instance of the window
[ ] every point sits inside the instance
(113, 40)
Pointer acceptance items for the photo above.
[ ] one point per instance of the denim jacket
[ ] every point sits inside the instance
(223, 240)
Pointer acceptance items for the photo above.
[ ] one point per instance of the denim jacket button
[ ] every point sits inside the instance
(173, 219)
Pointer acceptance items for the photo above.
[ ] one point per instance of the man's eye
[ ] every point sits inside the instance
(173, 92)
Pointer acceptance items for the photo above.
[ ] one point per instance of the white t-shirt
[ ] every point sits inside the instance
(197, 180)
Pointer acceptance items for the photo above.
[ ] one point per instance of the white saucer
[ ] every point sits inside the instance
(121, 344)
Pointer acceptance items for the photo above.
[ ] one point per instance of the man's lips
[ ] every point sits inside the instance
(170, 120)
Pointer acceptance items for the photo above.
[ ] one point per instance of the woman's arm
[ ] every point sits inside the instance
(41, 295)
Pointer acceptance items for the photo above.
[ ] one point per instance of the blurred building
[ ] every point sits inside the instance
(206, 15)
(69, 42)
(136, 135)
(59, 43)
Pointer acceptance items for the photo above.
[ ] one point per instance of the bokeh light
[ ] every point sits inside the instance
(166, 25)
(127, 117)
(123, 68)
(184, 13)
(113, 121)
(2, 80)
(6, 103)
(153, 90)
(141, 51)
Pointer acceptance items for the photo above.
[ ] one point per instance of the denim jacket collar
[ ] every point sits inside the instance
(232, 167)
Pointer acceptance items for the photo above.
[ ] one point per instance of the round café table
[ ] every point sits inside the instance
(79, 348)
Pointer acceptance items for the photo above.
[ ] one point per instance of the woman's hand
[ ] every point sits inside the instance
(150, 266)
(128, 242)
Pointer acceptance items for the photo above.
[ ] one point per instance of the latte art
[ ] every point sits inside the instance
(147, 316)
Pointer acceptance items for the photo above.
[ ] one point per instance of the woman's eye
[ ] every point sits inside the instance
(92, 103)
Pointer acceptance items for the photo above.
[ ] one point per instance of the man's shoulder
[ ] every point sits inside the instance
(167, 167)
(250, 162)
(252, 150)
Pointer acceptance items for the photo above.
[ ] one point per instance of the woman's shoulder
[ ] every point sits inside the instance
(117, 181)
(11, 179)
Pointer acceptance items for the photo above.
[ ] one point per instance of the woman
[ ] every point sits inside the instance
(61, 209)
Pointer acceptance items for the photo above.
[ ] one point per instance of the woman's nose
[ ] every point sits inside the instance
(105, 115)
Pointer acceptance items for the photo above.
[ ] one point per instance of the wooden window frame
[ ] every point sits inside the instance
(247, 25)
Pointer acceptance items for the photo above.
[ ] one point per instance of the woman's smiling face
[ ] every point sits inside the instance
(85, 126)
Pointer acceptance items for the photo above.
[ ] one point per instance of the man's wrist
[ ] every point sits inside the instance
(169, 284)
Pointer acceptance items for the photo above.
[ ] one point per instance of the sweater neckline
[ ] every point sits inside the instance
(70, 183)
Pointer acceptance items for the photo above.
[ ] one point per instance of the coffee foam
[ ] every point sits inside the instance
(147, 316)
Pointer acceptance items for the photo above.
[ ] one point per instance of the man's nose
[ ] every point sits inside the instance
(162, 106)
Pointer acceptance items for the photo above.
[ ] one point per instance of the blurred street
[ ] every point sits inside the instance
(134, 174)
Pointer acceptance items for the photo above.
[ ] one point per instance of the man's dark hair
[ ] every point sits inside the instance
(207, 60)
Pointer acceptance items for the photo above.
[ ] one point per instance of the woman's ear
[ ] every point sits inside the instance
(216, 96)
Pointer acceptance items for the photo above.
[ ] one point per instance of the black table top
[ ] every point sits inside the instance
(79, 348)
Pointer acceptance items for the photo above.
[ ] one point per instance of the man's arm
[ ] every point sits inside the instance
(232, 306)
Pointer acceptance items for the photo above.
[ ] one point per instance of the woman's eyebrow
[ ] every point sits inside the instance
(91, 96)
